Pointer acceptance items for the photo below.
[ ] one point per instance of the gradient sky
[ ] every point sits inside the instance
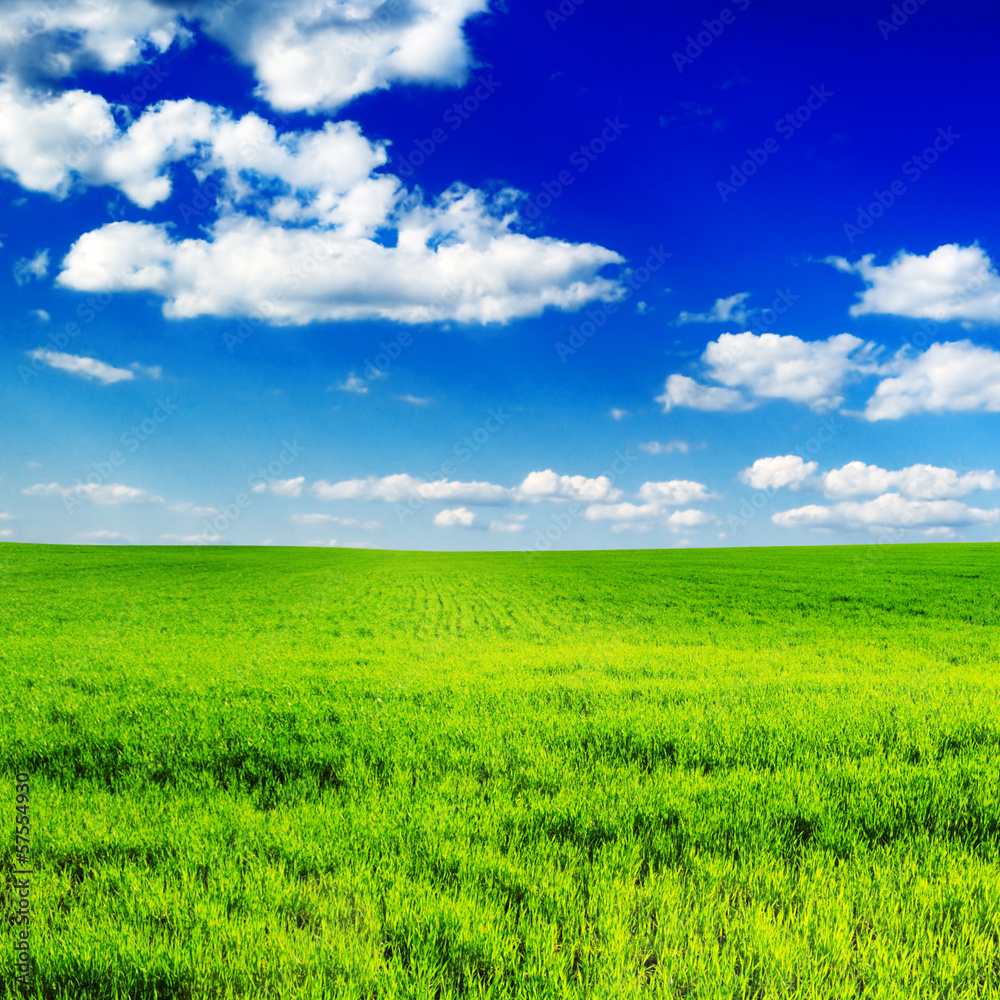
(469, 275)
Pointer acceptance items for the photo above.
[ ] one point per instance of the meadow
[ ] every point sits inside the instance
(267, 772)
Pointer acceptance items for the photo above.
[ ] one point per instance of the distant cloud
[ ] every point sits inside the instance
(664, 447)
(91, 368)
(951, 282)
(40, 314)
(617, 414)
(681, 390)
(26, 268)
(193, 510)
(353, 383)
(887, 511)
(675, 492)
(344, 522)
(104, 537)
(416, 400)
(459, 517)
(781, 470)
(724, 311)
(106, 494)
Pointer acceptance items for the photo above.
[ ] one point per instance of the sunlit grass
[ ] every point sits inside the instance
(304, 773)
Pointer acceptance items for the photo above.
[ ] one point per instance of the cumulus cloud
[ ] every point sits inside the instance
(306, 55)
(458, 517)
(26, 268)
(915, 482)
(675, 492)
(630, 516)
(949, 377)
(724, 311)
(88, 368)
(548, 485)
(887, 511)
(506, 526)
(681, 390)
(781, 470)
(105, 494)
(951, 282)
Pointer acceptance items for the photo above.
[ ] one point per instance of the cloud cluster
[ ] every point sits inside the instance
(104, 494)
(950, 283)
(887, 511)
(947, 377)
(302, 226)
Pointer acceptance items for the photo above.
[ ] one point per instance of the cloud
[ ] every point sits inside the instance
(664, 447)
(724, 311)
(40, 314)
(548, 485)
(683, 391)
(193, 510)
(782, 470)
(630, 516)
(105, 494)
(27, 268)
(681, 519)
(675, 492)
(951, 282)
(403, 487)
(147, 371)
(617, 414)
(6, 533)
(915, 482)
(949, 377)
(416, 400)
(287, 487)
(306, 55)
(104, 537)
(6, 517)
(887, 511)
(88, 368)
(459, 517)
(508, 527)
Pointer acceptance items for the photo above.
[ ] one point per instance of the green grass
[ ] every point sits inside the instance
(330, 773)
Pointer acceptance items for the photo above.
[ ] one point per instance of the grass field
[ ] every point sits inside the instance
(329, 773)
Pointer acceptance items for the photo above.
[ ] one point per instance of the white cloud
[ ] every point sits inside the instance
(675, 492)
(56, 40)
(105, 494)
(6, 533)
(27, 268)
(287, 487)
(459, 517)
(949, 377)
(781, 470)
(415, 400)
(41, 315)
(84, 367)
(724, 311)
(887, 511)
(147, 371)
(951, 282)
(665, 447)
(6, 517)
(683, 391)
(915, 482)
(770, 366)
(548, 485)
(402, 487)
(623, 512)
(617, 414)
(681, 519)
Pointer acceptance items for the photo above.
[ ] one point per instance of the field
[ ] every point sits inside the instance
(330, 773)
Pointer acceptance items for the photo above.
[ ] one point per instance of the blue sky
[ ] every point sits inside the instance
(460, 275)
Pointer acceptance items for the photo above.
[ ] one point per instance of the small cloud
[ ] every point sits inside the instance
(458, 517)
(344, 522)
(641, 308)
(40, 314)
(6, 533)
(27, 268)
(664, 447)
(416, 400)
(194, 510)
(104, 537)
(154, 372)
(106, 494)
(89, 368)
(6, 517)
(353, 383)
(728, 310)
(617, 414)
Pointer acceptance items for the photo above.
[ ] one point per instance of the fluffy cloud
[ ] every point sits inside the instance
(887, 511)
(915, 482)
(675, 492)
(642, 516)
(88, 368)
(951, 282)
(781, 470)
(27, 268)
(344, 522)
(949, 377)
(683, 391)
(724, 311)
(306, 55)
(459, 517)
(548, 485)
(106, 494)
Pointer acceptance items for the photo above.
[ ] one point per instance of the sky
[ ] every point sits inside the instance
(467, 274)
